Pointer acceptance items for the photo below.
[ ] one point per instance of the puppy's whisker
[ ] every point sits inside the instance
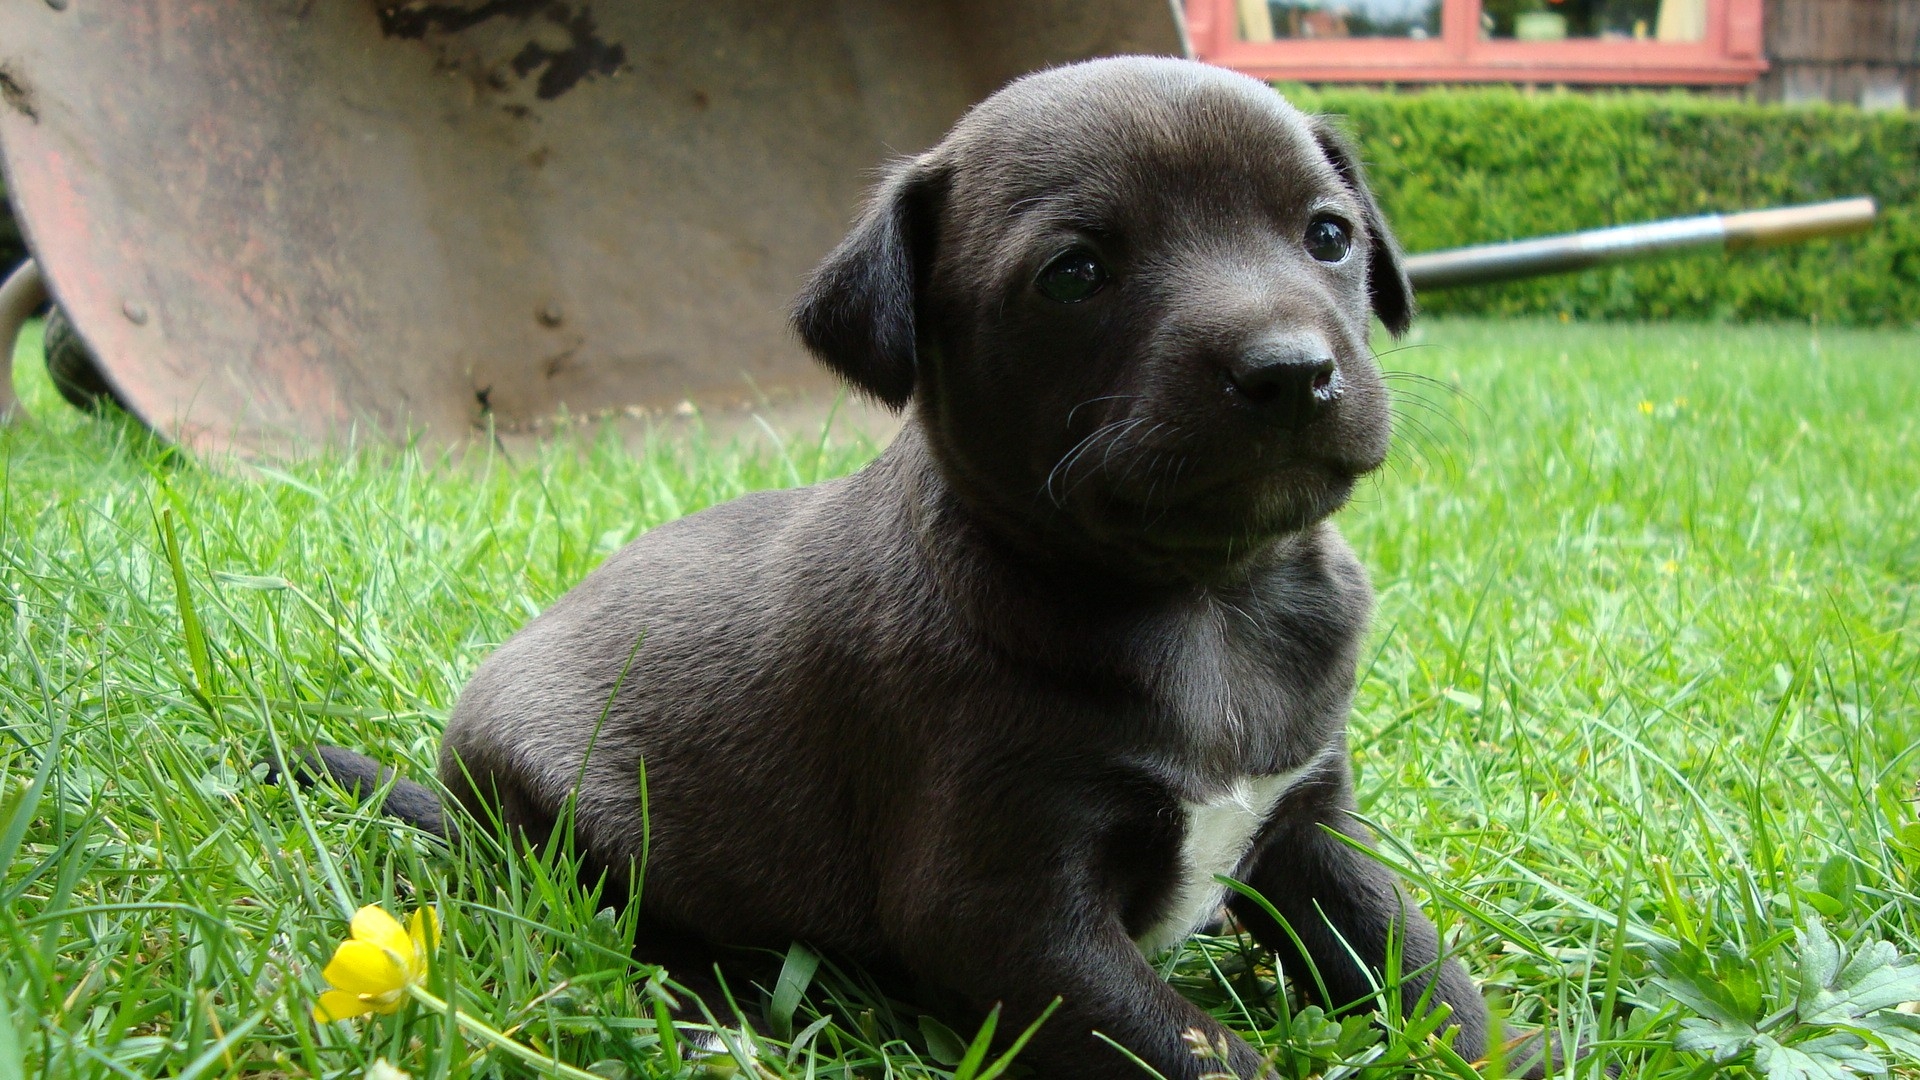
(1066, 460)
(1064, 468)
(1403, 347)
(1114, 434)
(1417, 398)
(1071, 413)
(1414, 430)
(1417, 441)
(1426, 381)
(1176, 463)
(1403, 382)
(1401, 403)
(1146, 503)
(1106, 459)
(1180, 464)
(1402, 375)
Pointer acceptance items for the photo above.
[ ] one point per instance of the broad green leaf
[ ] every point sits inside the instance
(1728, 995)
(1845, 1050)
(1819, 961)
(1877, 978)
(1720, 1042)
(1899, 1031)
(1777, 1062)
(1872, 957)
(1358, 1034)
(1837, 989)
(1837, 878)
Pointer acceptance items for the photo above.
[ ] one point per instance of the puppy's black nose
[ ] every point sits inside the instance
(1291, 378)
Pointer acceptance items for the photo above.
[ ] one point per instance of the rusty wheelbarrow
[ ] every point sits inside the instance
(275, 222)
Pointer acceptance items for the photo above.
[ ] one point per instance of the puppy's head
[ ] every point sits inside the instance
(1129, 301)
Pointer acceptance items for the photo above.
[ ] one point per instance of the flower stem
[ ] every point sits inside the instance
(481, 1031)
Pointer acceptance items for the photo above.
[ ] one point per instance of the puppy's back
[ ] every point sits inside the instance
(724, 653)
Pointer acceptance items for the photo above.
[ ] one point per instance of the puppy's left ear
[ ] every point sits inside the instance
(857, 312)
(1387, 284)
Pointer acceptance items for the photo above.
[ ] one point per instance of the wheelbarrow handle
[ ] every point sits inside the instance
(1790, 224)
(22, 294)
(1598, 247)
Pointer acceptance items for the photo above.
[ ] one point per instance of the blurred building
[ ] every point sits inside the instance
(1860, 52)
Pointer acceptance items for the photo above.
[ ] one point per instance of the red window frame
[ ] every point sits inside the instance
(1729, 53)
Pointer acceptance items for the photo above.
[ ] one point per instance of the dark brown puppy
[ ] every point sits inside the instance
(994, 710)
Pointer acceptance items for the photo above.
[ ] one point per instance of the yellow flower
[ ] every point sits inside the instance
(1647, 407)
(372, 969)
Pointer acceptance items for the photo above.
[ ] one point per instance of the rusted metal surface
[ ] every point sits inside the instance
(277, 222)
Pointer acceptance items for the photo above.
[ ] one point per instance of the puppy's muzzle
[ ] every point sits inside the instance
(1291, 380)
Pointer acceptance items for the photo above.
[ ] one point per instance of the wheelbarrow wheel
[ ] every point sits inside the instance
(75, 373)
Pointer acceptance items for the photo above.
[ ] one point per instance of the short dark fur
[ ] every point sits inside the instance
(940, 716)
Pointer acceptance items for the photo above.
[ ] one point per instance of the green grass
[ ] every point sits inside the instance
(1643, 677)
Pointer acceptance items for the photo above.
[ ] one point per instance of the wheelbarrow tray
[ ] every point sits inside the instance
(277, 224)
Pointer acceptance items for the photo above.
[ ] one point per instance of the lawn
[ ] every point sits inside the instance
(1640, 718)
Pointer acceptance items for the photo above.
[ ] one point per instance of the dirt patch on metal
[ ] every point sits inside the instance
(586, 54)
(18, 94)
(560, 67)
(414, 21)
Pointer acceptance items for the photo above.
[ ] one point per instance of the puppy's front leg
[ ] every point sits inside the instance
(1343, 905)
(1103, 984)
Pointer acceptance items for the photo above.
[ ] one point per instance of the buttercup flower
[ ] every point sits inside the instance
(372, 970)
(382, 964)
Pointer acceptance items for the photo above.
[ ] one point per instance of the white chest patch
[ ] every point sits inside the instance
(1220, 831)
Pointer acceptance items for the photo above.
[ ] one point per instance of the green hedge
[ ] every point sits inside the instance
(1456, 167)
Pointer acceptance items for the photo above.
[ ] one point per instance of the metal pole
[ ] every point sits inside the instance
(1578, 251)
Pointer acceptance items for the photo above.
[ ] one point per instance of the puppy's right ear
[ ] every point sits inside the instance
(857, 311)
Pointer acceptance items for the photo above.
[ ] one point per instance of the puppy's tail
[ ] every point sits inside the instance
(362, 777)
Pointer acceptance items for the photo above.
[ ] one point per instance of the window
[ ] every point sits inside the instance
(1660, 42)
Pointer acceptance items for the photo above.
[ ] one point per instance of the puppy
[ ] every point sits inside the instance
(993, 712)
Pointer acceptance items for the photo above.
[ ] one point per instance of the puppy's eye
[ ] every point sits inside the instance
(1328, 240)
(1072, 277)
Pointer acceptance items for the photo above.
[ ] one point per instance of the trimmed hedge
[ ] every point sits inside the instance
(1455, 167)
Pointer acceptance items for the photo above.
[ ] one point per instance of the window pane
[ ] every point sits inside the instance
(1266, 20)
(1610, 20)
